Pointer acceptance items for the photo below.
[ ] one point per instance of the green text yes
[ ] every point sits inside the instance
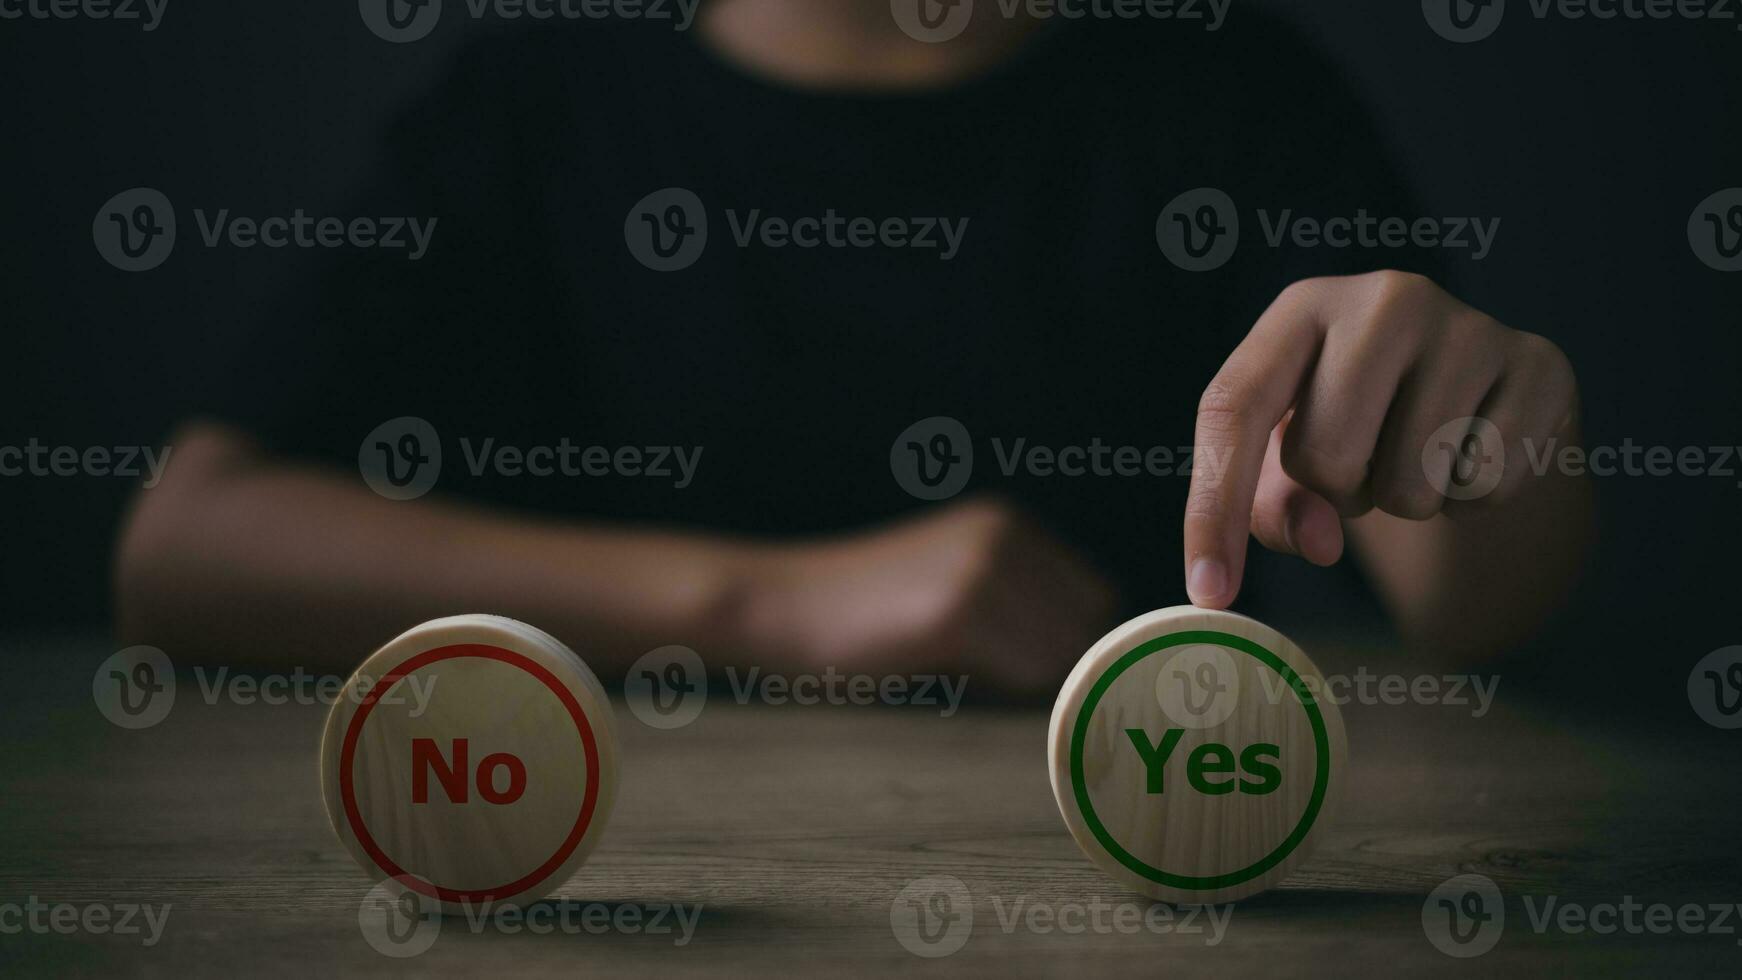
(1211, 759)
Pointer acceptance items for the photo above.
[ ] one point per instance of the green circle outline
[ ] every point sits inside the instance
(1321, 744)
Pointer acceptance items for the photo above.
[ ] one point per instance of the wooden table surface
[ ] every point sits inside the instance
(795, 828)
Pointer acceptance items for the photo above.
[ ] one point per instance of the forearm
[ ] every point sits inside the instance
(237, 557)
(1480, 584)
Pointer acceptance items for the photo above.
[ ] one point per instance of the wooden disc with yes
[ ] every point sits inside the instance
(1191, 756)
(470, 760)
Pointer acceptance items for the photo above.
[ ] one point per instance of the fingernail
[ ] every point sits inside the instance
(1206, 581)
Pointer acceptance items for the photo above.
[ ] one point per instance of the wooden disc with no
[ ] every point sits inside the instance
(470, 760)
(1193, 755)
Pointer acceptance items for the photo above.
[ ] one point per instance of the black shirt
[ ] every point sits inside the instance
(1058, 321)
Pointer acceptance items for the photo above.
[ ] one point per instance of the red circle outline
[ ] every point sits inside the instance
(484, 651)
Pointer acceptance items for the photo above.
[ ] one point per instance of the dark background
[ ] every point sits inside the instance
(1592, 140)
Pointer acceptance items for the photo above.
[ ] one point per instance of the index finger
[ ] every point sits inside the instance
(1258, 383)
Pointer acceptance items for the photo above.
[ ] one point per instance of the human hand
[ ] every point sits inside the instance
(1325, 409)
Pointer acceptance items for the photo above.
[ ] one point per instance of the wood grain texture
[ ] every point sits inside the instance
(487, 725)
(1222, 822)
(796, 828)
